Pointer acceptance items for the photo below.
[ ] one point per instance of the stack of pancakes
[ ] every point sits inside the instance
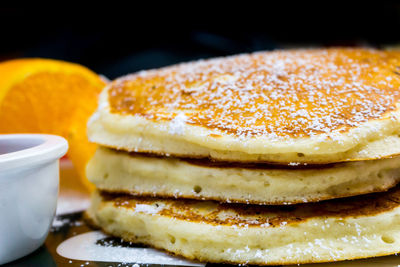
(267, 158)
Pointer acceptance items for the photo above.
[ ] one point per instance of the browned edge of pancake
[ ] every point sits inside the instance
(366, 205)
(212, 162)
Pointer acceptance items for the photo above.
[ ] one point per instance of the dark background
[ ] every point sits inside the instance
(116, 40)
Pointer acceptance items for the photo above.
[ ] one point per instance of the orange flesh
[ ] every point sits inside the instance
(46, 102)
(54, 102)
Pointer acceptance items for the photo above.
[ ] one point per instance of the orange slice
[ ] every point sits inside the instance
(50, 96)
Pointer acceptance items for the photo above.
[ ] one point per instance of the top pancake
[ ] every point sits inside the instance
(307, 106)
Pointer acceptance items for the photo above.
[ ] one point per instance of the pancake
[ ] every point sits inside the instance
(296, 106)
(146, 175)
(334, 230)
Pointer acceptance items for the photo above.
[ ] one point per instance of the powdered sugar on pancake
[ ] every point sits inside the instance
(295, 93)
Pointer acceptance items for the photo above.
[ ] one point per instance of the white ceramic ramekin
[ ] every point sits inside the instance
(29, 179)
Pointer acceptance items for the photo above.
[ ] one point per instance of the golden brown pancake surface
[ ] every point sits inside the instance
(256, 215)
(297, 93)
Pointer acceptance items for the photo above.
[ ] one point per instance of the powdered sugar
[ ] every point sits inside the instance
(276, 94)
(177, 124)
(149, 209)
